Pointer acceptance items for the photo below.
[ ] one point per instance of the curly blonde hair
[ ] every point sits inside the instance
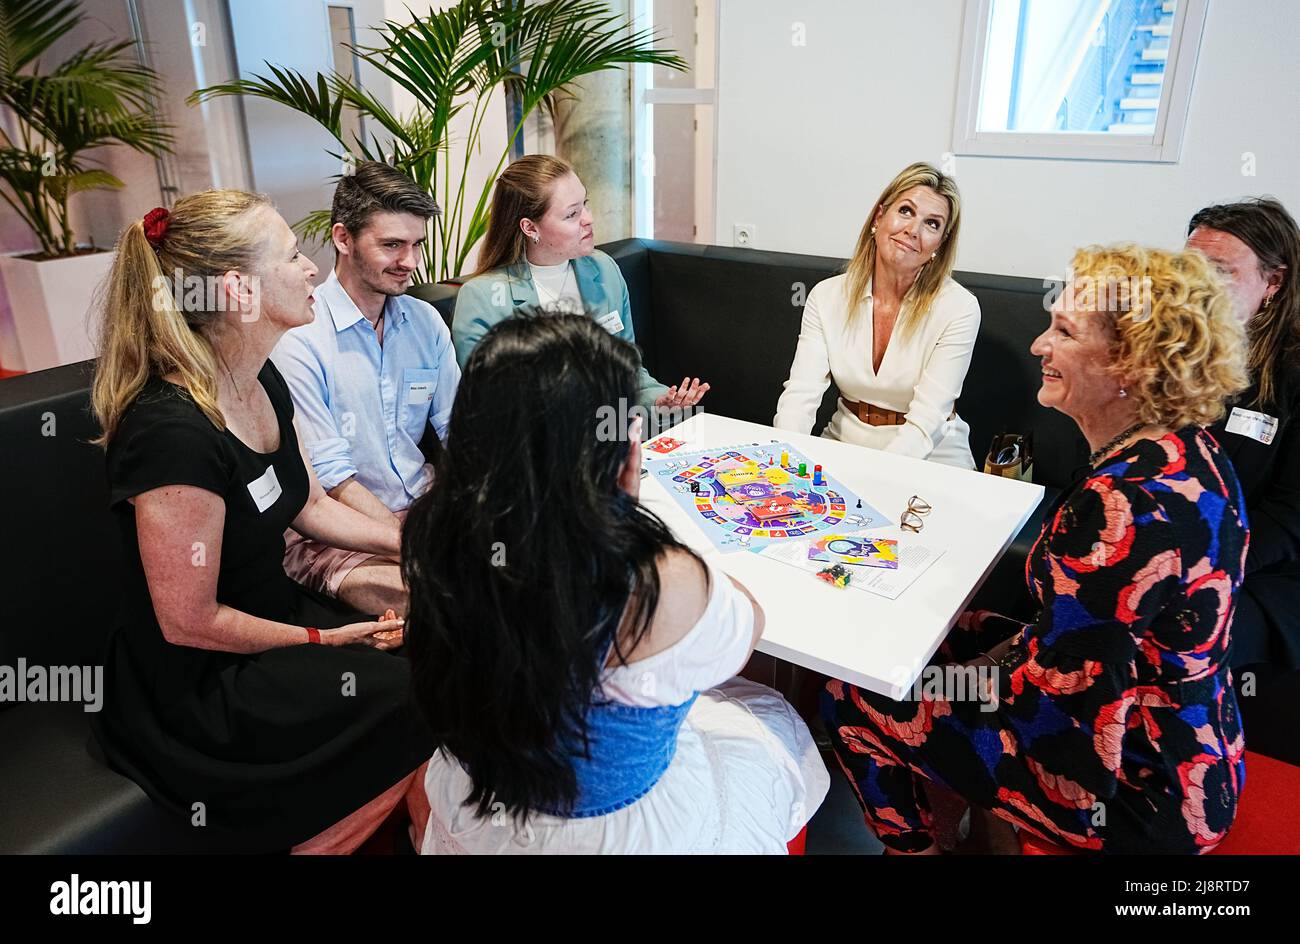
(1178, 347)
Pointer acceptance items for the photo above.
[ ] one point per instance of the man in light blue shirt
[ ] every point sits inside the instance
(369, 377)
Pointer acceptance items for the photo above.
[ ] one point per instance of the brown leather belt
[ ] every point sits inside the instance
(874, 415)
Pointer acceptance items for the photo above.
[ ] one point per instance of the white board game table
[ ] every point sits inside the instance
(872, 641)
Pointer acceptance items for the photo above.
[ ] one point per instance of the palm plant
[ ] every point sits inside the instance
(450, 60)
(98, 95)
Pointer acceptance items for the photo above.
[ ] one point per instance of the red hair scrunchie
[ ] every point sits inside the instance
(155, 225)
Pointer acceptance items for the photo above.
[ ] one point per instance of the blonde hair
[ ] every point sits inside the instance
(523, 191)
(143, 332)
(920, 297)
(1178, 345)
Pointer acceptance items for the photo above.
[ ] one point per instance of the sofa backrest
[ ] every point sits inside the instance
(732, 317)
(61, 552)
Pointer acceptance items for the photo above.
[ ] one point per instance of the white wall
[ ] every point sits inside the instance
(808, 136)
(289, 150)
(96, 216)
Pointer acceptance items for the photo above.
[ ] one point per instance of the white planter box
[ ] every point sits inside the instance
(51, 302)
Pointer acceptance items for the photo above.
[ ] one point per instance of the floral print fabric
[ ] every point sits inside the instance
(1115, 728)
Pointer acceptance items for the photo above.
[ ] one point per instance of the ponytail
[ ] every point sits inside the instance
(143, 330)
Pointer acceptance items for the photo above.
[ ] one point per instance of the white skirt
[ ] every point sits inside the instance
(746, 778)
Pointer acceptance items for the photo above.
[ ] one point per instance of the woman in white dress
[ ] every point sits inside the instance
(574, 661)
(894, 332)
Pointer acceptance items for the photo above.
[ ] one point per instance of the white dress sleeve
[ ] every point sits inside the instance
(712, 651)
(941, 380)
(810, 372)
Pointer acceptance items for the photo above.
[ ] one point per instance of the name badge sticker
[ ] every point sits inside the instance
(611, 322)
(1258, 426)
(419, 392)
(265, 489)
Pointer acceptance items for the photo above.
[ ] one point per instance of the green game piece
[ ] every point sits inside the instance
(803, 470)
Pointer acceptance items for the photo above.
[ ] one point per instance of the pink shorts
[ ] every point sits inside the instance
(320, 566)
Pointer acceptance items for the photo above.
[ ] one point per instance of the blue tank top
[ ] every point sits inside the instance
(629, 750)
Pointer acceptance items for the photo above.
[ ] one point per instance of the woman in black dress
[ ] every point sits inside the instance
(1255, 245)
(236, 698)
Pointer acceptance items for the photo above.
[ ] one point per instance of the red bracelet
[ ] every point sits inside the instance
(313, 634)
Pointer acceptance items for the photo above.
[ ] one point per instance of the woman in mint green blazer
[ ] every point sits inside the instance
(540, 250)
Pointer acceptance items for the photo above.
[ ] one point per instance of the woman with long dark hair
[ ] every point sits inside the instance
(574, 661)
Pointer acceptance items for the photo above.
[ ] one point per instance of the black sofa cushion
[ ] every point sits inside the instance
(62, 558)
(61, 798)
(441, 295)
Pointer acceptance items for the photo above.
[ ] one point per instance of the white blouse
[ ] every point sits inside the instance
(920, 375)
(711, 652)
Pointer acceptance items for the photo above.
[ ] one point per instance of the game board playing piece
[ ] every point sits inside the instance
(817, 476)
(835, 575)
(695, 487)
(785, 458)
(803, 470)
(859, 502)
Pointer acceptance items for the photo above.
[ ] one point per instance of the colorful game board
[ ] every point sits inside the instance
(748, 497)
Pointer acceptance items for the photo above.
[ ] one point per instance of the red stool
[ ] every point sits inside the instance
(1266, 823)
(797, 845)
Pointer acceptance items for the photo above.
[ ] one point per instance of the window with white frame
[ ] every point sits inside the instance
(1091, 79)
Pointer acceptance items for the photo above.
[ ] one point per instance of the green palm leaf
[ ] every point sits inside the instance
(65, 185)
(314, 227)
(291, 88)
(450, 60)
(29, 27)
(96, 95)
